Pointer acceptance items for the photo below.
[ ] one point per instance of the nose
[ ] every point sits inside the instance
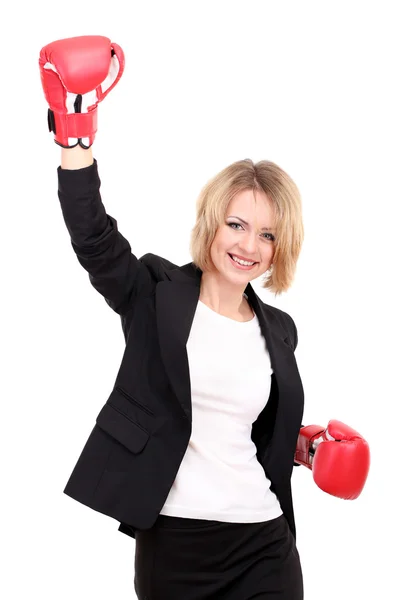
(249, 244)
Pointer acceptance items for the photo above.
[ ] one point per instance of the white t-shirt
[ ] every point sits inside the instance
(220, 477)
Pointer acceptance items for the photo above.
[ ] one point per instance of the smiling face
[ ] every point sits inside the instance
(252, 240)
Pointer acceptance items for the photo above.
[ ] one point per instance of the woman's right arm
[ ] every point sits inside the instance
(114, 271)
(101, 249)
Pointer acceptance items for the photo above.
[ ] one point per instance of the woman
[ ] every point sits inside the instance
(194, 448)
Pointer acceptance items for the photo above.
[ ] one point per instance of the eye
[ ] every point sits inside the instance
(270, 238)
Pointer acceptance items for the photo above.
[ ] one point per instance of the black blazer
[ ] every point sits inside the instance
(134, 451)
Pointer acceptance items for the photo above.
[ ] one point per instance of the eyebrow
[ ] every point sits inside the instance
(245, 223)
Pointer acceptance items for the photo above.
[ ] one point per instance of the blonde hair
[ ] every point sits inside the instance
(212, 204)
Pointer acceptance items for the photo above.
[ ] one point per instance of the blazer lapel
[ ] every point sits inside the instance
(175, 307)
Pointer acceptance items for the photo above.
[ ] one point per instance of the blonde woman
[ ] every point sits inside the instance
(193, 450)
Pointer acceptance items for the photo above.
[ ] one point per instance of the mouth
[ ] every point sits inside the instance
(242, 267)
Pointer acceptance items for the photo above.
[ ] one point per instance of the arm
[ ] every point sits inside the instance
(114, 271)
(90, 66)
(294, 342)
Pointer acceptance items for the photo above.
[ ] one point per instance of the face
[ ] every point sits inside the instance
(253, 241)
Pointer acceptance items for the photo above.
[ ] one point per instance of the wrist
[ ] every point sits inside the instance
(76, 158)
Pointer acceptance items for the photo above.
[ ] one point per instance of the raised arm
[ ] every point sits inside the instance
(77, 73)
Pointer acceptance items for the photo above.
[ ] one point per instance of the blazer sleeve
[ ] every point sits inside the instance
(294, 332)
(114, 271)
(295, 341)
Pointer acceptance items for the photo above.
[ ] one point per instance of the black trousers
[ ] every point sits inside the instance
(195, 559)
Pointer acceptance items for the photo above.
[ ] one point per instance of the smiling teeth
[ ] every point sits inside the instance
(242, 262)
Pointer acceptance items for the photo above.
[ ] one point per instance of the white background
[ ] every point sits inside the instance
(312, 86)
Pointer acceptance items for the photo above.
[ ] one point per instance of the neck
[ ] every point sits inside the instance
(224, 299)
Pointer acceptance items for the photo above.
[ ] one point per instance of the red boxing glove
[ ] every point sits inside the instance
(338, 456)
(77, 73)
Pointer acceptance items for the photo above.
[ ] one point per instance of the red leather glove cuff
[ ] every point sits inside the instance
(306, 437)
(75, 125)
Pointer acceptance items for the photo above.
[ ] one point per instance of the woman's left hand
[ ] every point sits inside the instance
(338, 456)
